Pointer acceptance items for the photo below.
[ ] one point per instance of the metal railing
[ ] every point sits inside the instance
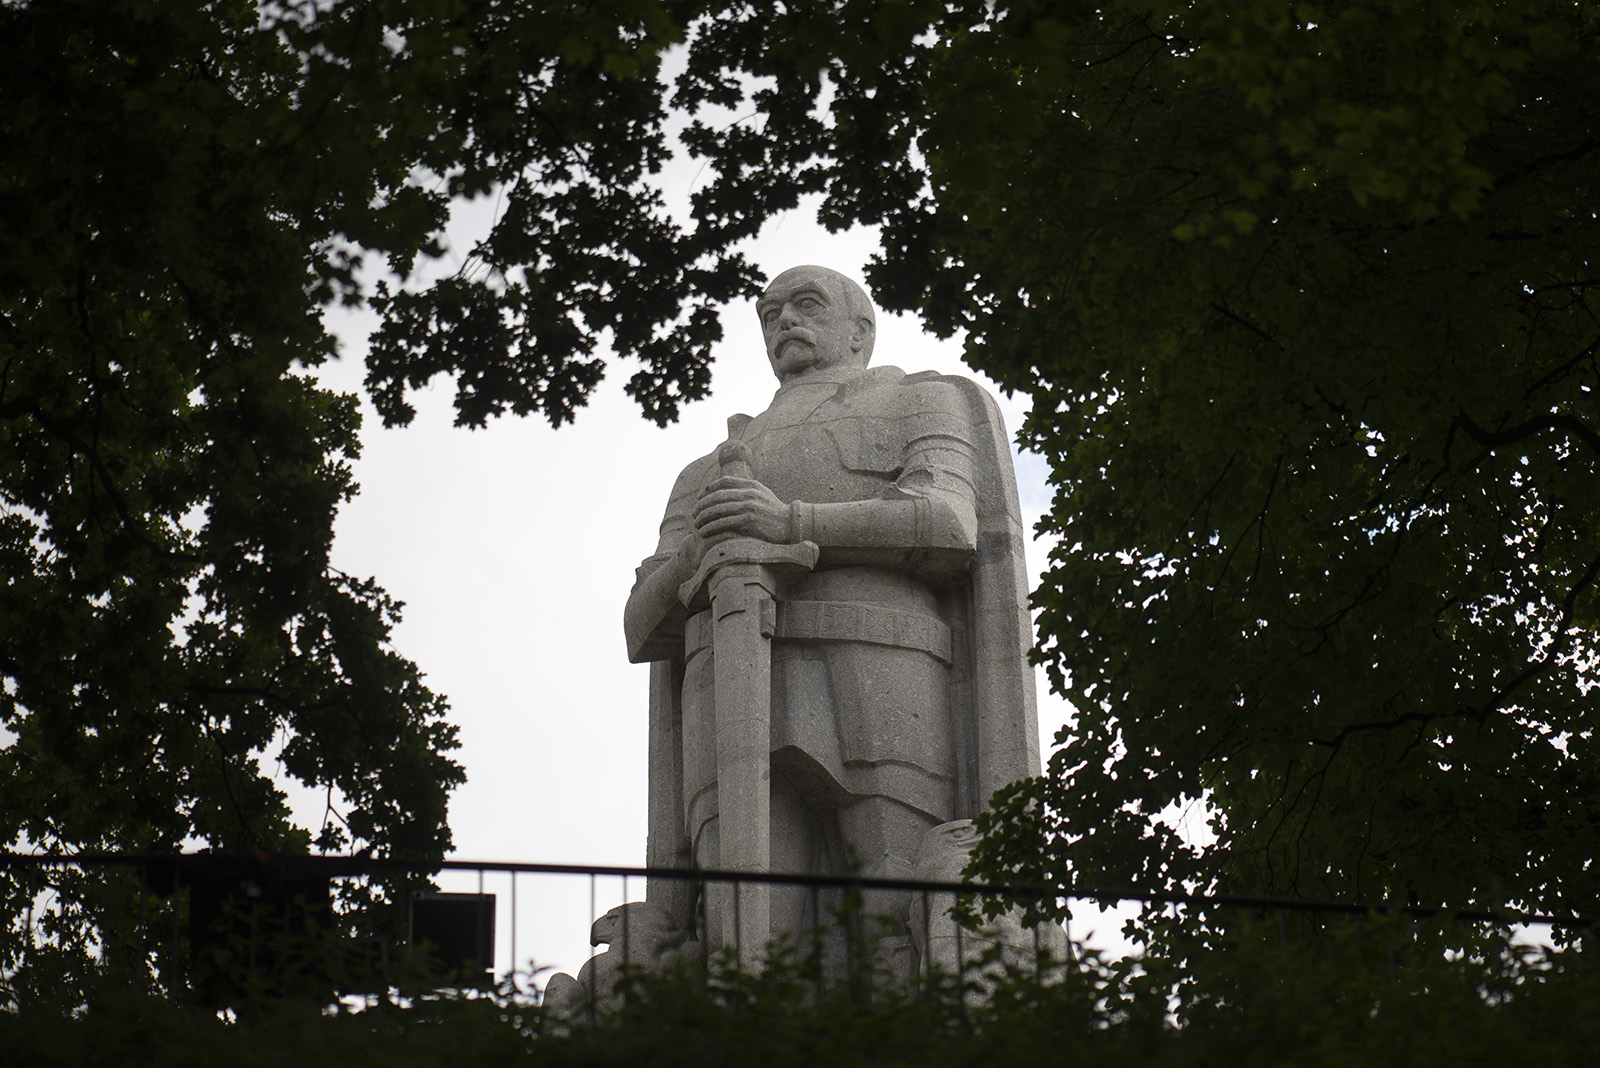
(513, 923)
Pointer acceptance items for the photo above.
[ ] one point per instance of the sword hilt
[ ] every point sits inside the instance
(735, 461)
(734, 458)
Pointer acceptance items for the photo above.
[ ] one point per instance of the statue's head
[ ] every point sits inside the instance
(815, 320)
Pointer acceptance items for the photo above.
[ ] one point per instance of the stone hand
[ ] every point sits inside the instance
(741, 507)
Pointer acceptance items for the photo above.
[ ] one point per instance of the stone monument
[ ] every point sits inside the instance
(836, 624)
(836, 621)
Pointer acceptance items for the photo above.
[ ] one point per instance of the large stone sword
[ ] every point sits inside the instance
(740, 579)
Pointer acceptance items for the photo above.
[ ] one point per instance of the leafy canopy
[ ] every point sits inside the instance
(183, 189)
(1307, 312)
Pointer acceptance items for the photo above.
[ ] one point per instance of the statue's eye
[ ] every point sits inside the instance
(769, 316)
(808, 304)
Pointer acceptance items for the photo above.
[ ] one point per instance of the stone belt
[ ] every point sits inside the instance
(842, 621)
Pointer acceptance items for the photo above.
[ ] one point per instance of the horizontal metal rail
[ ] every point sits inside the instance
(356, 866)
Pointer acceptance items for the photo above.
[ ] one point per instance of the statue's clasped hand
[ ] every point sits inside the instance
(734, 507)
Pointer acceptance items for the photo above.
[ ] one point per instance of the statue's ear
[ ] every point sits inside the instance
(863, 331)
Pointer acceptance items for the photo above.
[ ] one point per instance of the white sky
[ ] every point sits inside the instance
(514, 548)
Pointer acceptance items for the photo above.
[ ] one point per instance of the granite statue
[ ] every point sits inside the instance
(836, 622)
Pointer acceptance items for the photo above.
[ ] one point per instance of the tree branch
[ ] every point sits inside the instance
(1529, 428)
(1252, 327)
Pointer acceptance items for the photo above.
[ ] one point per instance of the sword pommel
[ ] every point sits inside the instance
(735, 460)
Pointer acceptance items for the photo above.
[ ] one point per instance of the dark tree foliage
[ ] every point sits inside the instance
(184, 187)
(1308, 316)
(168, 471)
(1353, 1008)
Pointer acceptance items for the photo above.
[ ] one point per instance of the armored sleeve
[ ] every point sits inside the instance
(653, 619)
(926, 520)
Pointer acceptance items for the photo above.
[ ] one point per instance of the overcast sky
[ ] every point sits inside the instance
(514, 549)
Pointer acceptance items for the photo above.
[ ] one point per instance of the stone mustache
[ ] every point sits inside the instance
(836, 622)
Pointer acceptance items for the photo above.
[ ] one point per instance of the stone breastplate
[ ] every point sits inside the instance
(812, 447)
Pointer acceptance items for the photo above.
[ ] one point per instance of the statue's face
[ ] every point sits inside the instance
(810, 323)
